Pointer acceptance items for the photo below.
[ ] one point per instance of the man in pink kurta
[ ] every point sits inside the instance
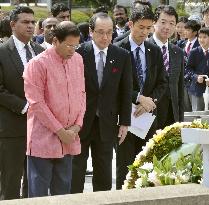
(55, 90)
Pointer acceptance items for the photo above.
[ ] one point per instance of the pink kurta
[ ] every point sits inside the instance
(55, 90)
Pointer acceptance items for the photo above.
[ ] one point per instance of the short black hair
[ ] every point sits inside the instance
(65, 29)
(205, 10)
(101, 9)
(141, 13)
(204, 30)
(117, 6)
(142, 3)
(5, 28)
(193, 25)
(19, 10)
(183, 19)
(169, 10)
(40, 23)
(57, 8)
(93, 19)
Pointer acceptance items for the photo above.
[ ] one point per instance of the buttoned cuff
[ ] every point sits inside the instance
(24, 110)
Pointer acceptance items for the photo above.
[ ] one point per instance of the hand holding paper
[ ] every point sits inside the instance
(141, 125)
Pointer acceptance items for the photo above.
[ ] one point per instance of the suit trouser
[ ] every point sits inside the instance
(197, 103)
(52, 175)
(102, 153)
(165, 115)
(12, 155)
(187, 101)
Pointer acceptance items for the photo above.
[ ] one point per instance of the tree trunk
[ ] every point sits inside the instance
(36, 2)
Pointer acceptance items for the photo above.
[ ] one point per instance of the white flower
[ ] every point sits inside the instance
(150, 144)
(152, 177)
(147, 166)
(200, 181)
(125, 185)
(138, 183)
(128, 176)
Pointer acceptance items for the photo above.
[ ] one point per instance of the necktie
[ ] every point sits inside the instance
(188, 48)
(100, 68)
(28, 53)
(139, 69)
(165, 58)
(206, 53)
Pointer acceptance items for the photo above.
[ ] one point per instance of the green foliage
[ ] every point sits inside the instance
(79, 16)
(42, 12)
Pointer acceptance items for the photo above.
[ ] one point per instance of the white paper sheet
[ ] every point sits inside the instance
(141, 125)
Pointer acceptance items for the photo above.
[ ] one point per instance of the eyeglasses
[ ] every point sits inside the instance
(72, 46)
(102, 33)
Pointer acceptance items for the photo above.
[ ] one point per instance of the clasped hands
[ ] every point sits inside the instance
(69, 135)
(146, 104)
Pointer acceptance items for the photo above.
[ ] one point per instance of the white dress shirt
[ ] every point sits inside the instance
(21, 49)
(192, 44)
(96, 54)
(161, 44)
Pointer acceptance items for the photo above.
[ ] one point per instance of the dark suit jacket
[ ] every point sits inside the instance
(115, 34)
(176, 80)
(119, 38)
(12, 98)
(198, 64)
(113, 99)
(155, 82)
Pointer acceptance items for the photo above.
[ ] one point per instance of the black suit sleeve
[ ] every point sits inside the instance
(161, 80)
(126, 86)
(181, 89)
(9, 100)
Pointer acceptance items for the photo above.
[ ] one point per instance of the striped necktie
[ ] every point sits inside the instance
(100, 68)
(165, 58)
(28, 53)
(139, 69)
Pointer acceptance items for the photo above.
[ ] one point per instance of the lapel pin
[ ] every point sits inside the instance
(112, 61)
(148, 49)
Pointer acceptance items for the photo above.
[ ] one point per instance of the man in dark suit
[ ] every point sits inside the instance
(108, 81)
(147, 94)
(14, 54)
(171, 107)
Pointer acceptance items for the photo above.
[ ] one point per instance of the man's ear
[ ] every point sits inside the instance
(130, 24)
(90, 31)
(12, 24)
(54, 41)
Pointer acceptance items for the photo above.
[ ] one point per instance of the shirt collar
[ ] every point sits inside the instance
(193, 41)
(160, 43)
(57, 56)
(97, 50)
(19, 44)
(134, 45)
(119, 28)
(204, 49)
(48, 45)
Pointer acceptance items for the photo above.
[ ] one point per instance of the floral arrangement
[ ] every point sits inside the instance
(154, 166)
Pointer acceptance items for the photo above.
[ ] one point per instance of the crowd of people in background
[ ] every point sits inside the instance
(66, 88)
